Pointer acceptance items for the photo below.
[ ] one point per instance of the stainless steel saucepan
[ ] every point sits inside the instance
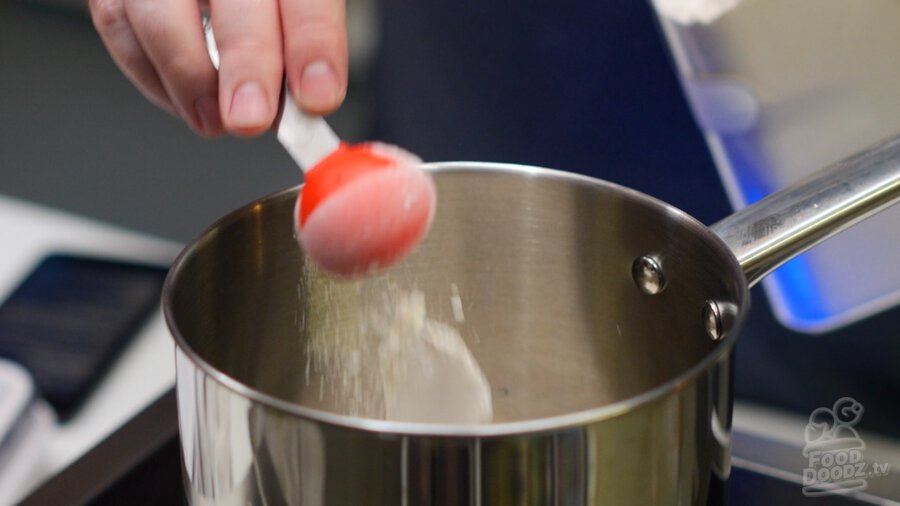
(603, 319)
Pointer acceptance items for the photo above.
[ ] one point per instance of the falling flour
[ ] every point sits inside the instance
(428, 373)
(395, 363)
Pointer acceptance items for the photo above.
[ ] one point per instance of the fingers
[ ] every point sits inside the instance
(315, 52)
(159, 45)
(171, 35)
(115, 31)
(248, 36)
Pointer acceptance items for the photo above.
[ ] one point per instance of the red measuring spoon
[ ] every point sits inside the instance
(361, 207)
(364, 207)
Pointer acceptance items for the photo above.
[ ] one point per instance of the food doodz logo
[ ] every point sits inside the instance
(835, 451)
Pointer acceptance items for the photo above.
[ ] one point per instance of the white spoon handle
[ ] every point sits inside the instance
(308, 139)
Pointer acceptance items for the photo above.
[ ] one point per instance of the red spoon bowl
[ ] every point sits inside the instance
(363, 208)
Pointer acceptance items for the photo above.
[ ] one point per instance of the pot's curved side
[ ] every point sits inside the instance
(672, 451)
(605, 392)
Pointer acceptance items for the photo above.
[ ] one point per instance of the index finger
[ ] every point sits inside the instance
(248, 36)
(315, 52)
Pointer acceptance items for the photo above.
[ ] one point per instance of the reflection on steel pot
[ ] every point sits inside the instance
(603, 319)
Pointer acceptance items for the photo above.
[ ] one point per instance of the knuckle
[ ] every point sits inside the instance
(246, 58)
(149, 17)
(315, 36)
(251, 55)
(250, 47)
(106, 14)
(183, 68)
(320, 27)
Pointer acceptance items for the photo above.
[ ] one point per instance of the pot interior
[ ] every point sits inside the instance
(539, 262)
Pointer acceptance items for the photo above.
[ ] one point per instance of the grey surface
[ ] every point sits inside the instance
(76, 135)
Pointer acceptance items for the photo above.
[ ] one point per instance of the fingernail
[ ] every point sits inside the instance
(319, 87)
(249, 107)
(207, 109)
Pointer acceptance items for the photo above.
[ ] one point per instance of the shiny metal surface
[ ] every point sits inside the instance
(719, 318)
(777, 228)
(239, 452)
(602, 393)
(648, 275)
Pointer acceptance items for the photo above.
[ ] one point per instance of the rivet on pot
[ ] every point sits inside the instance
(718, 318)
(648, 275)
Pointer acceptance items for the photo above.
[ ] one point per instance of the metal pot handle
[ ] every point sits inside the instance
(772, 231)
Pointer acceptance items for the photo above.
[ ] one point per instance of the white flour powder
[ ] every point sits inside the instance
(428, 373)
(392, 361)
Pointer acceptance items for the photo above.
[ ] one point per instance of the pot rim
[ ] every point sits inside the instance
(545, 424)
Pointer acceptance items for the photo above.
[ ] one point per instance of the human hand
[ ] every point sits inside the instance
(160, 46)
